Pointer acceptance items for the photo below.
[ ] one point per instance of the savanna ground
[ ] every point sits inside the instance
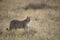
(45, 21)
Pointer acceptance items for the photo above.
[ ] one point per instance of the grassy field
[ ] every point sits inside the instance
(45, 21)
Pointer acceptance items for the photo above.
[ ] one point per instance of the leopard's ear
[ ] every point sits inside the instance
(7, 29)
(28, 17)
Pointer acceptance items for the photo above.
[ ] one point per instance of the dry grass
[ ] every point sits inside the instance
(46, 22)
